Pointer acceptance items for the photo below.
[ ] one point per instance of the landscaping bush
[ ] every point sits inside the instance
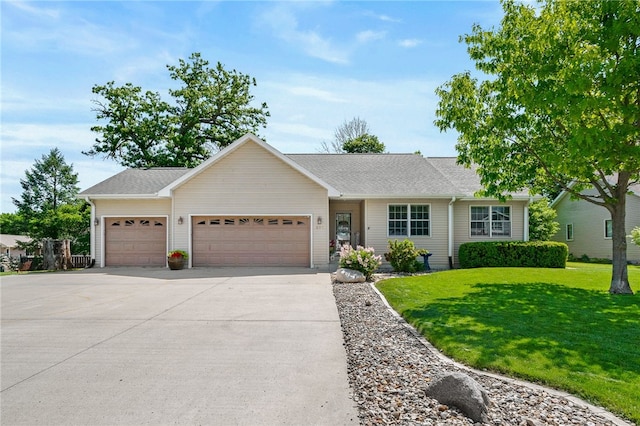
(402, 256)
(539, 254)
(360, 259)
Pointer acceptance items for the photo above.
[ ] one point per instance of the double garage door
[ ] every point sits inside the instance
(135, 241)
(251, 241)
(217, 241)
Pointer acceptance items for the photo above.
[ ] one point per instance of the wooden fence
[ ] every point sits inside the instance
(80, 261)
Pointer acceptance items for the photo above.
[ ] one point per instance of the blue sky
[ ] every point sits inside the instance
(317, 65)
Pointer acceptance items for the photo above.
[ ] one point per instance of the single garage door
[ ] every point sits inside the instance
(136, 241)
(251, 241)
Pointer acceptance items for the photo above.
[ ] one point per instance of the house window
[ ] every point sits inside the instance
(408, 219)
(608, 228)
(490, 221)
(569, 231)
(397, 220)
(419, 219)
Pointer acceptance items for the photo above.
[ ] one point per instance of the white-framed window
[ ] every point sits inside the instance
(490, 221)
(569, 232)
(408, 220)
(608, 228)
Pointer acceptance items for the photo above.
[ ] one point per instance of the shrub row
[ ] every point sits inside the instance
(540, 254)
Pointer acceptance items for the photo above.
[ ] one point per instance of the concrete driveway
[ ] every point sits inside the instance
(153, 346)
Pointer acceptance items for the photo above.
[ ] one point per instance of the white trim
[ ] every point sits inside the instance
(92, 231)
(309, 215)
(605, 229)
(525, 231)
(450, 232)
(490, 235)
(166, 191)
(103, 231)
(566, 232)
(408, 205)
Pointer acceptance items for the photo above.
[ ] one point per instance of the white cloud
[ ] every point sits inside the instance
(384, 18)
(34, 10)
(283, 23)
(300, 123)
(60, 30)
(313, 92)
(23, 144)
(410, 42)
(16, 136)
(367, 36)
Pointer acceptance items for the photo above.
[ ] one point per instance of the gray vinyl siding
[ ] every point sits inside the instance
(252, 181)
(462, 222)
(131, 208)
(377, 228)
(588, 222)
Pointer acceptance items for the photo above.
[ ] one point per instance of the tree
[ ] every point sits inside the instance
(542, 224)
(353, 136)
(563, 102)
(12, 223)
(49, 206)
(211, 109)
(635, 235)
(363, 144)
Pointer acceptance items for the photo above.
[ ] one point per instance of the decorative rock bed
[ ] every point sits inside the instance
(390, 368)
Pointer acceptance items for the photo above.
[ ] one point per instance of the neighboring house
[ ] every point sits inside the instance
(249, 205)
(586, 228)
(9, 246)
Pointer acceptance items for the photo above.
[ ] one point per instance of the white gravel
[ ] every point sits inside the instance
(390, 365)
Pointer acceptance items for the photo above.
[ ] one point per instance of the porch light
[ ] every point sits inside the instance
(180, 220)
(319, 221)
(96, 221)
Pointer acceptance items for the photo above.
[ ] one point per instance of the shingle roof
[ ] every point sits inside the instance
(378, 174)
(137, 181)
(10, 240)
(357, 175)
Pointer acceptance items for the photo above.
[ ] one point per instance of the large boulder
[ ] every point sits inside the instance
(461, 391)
(345, 275)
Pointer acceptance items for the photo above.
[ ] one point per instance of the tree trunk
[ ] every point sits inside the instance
(619, 276)
(56, 254)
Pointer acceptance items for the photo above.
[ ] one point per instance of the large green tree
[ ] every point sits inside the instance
(48, 206)
(353, 136)
(560, 105)
(211, 108)
(364, 144)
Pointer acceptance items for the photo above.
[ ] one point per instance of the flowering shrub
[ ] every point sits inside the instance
(360, 259)
(9, 263)
(635, 235)
(402, 256)
(178, 253)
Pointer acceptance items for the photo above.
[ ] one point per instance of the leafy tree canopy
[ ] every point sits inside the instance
(561, 105)
(363, 144)
(48, 206)
(353, 136)
(13, 224)
(210, 109)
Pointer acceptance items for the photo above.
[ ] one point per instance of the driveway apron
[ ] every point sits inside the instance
(152, 346)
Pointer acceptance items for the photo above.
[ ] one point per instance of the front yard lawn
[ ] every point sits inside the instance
(558, 327)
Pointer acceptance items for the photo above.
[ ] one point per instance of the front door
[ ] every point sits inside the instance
(343, 228)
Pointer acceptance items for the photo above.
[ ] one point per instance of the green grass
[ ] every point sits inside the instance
(558, 327)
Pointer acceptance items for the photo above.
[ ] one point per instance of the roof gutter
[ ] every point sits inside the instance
(92, 234)
(450, 227)
(525, 231)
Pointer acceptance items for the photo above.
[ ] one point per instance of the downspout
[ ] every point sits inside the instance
(451, 242)
(92, 233)
(525, 233)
